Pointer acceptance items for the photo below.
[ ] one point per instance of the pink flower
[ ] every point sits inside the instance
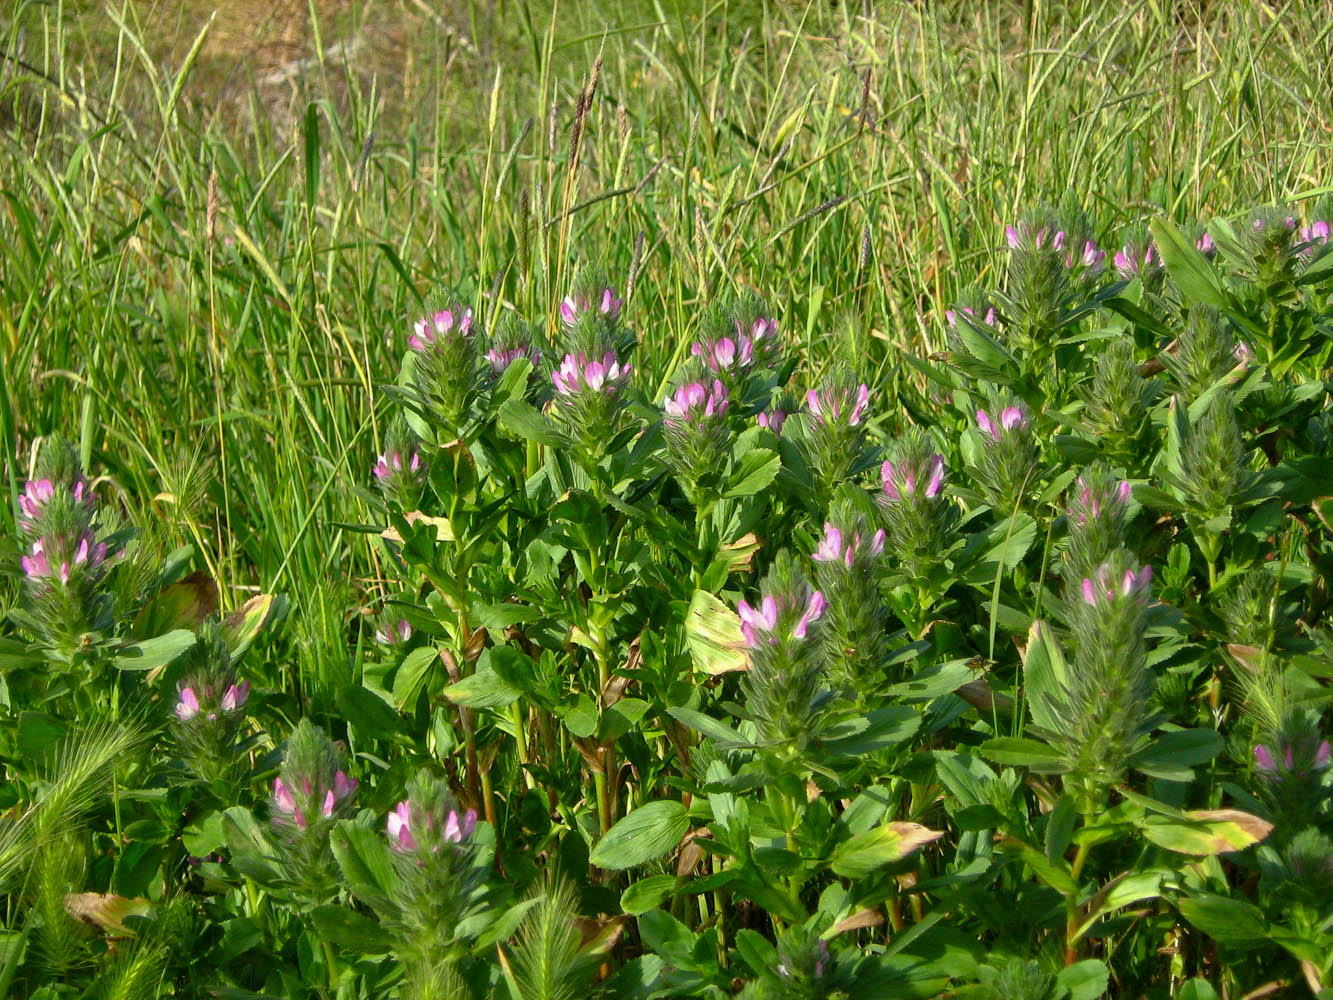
(1205, 245)
(756, 620)
(283, 798)
(391, 463)
(34, 497)
(429, 329)
(400, 827)
(816, 607)
(828, 405)
(1131, 584)
(694, 402)
(575, 305)
(395, 633)
(188, 706)
(773, 419)
(901, 482)
(1130, 262)
(458, 828)
(835, 547)
(577, 374)
(235, 696)
(501, 359)
(1011, 418)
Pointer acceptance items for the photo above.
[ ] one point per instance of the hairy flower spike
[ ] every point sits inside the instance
(828, 405)
(608, 304)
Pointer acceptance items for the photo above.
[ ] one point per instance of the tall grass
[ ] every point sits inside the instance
(204, 273)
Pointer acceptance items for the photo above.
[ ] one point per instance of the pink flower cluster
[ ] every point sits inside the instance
(284, 798)
(764, 619)
(772, 419)
(457, 828)
(1266, 762)
(1101, 590)
(827, 405)
(839, 547)
(37, 493)
(88, 554)
(392, 633)
(577, 374)
(428, 330)
(1011, 418)
(233, 699)
(1132, 261)
(901, 481)
(502, 359)
(1091, 503)
(951, 317)
(741, 351)
(391, 464)
(577, 304)
(694, 402)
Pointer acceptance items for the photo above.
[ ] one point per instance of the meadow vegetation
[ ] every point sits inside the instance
(692, 499)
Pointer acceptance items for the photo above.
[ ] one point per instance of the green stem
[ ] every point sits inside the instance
(1072, 914)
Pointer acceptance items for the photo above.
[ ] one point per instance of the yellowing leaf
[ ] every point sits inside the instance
(1207, 831)
(107, 910)
(713, 634)
(867, 852)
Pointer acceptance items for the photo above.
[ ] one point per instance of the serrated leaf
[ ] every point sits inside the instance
(366, 862)
(649, 832)
(755, 471)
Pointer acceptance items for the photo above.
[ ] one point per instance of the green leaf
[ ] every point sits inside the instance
(411, 675)
(526, 421)
(1188, 268)
(1226, 920)
(647, 894)
(648, 832)
(714, 729)
(1196, 989)
(1206, 831)
(1086, 980)
(1045, 678)
(252, 852)
(1172, 755)
(884, 727)
(366, 862)
(755, 471)
(1060, 827)
(353, 931)
(311, 134)
(484, 689)
(154, 653)
(713, 635)
(867, 852)
(1021, 752)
